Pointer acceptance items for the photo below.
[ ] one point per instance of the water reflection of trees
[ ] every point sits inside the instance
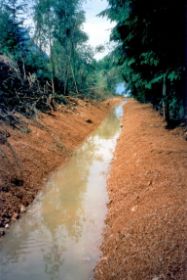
(60, 213)
(58, 216)
(110, 127)
(63, 203)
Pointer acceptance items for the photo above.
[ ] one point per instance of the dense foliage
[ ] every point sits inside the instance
(43, 64)
(150, 51)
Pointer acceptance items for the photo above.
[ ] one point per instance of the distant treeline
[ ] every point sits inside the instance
(151, 52)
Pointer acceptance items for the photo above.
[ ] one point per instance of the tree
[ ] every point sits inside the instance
(149, 36)
(58, 31)
(55, 62)
(14, 35)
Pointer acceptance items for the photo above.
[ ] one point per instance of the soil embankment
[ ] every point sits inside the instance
(50, 142)
(146, 233)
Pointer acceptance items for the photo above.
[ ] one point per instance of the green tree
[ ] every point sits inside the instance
(150, 42)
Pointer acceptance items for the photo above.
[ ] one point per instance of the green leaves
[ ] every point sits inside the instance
(149, 38)
(149, 58)
(174, 75)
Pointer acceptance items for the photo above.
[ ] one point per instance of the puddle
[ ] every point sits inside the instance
(60, 235)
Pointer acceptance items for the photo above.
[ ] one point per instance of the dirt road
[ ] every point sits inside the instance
(146, 233)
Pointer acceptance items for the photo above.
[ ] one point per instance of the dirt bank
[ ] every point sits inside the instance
(50, 142)
(146, 233)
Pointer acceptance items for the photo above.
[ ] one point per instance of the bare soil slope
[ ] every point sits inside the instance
(50, 142)
(146, 233)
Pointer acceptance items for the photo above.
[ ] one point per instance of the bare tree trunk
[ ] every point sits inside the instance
(52, 67)
(70, 56)
(73, 75)
(66, 78)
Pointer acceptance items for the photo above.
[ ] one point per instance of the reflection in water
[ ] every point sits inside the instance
(59, 237)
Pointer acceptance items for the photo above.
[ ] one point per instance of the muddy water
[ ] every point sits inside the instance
(59, 237)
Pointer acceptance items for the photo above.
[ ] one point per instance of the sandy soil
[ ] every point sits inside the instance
(146, 232)
(49, 144)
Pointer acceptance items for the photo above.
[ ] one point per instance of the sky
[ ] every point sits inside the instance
(97, 28)
(120, 88)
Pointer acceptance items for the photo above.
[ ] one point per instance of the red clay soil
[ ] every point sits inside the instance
(50, 142)
(146, 232)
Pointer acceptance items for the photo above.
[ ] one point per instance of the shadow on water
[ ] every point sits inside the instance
(59, 237)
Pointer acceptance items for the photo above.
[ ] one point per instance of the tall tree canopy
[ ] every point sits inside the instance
(150, 50)
(51, 57)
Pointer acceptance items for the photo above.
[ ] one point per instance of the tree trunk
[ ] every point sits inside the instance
(24, 71)
(74, 79)
(165, 103)
(66, 76)
(185, 60)
(52, 67)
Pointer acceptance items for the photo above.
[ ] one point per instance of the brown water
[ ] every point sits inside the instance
(59, 237)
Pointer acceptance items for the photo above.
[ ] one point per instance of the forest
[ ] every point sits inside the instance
(151, 52)
(44, 58)
(47, 58)
(93, 139)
